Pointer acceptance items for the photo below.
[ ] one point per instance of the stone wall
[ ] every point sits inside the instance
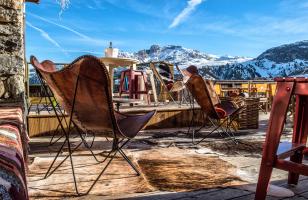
(12, 64)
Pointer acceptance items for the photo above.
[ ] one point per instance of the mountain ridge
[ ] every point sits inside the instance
(284, 60)
(181, 56)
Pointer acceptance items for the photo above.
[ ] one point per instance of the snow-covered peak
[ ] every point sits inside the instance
(181, 56)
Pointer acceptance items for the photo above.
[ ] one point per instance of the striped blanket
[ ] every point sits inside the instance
(13, 154)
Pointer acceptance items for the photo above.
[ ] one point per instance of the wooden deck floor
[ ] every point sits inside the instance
(229, 193)
(172, 168)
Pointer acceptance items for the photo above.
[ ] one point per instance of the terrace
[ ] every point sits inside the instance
(110, 127)
(171, 166)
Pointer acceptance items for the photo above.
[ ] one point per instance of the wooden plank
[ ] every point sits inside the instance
(227, 193)
(291, 166)
(44, 125)
(286, 149)
(168, 116)
(165, 118)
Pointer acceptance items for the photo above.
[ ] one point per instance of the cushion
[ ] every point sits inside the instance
(221, 112)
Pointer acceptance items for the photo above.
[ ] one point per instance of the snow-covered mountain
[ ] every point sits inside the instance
(181, 56)
(285, 60)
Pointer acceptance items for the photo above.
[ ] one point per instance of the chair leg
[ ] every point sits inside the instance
(54, 160)
(293, 177)
(115, 149)
(49, 173)
(194, 132)
(75, 148)
(263, 181)
(89, 146)
(29, 108)
(217, 127)
(300, 133)
(52, 142)
(104, 169)
(229, 132)
(38, 106)
(129, 162)
(72, 164)
(57, 106)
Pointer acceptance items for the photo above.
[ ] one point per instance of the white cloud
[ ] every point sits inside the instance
(61, 26)
(45, 35)
(83, 38)
(192, 4)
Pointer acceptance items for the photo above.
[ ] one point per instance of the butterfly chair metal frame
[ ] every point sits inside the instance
(119, 138)
(49, 97)
(202, 91)
(42, 101)
(55, 106)
(60, 115)
(164, 86)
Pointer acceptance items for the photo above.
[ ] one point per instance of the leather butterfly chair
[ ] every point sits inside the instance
(83, 89)
(219, 114)
(164, 76)
(49, 66)
(50, 100)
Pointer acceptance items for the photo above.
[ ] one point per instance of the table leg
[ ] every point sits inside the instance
(118, 106)
(111, 74)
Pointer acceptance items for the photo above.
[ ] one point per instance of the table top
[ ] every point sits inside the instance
(125, 100)
(115, 62)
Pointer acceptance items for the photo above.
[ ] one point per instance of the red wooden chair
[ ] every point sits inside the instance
(133, 78)
(275, 153)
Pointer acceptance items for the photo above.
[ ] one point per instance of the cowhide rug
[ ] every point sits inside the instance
(176, 170)
(118, 179)
(164, 169)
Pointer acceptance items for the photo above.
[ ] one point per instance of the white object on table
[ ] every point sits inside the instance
(111, 52)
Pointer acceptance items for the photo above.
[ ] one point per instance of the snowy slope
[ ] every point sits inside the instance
(285, 60)
(182, 56)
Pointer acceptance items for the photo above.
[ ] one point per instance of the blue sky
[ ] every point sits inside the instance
(222, 27)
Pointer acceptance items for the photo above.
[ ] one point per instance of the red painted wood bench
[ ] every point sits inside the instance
(275, 153)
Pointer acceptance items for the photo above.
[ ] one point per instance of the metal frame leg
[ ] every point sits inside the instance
(115, 149)
(67, 135)
(227, 131)
(129, 162)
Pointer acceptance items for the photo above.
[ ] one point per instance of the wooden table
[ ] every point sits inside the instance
(131, 102)
(112, 63)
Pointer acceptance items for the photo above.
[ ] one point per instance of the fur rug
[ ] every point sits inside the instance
(118, 179)
(164, 169)
(174, 171)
